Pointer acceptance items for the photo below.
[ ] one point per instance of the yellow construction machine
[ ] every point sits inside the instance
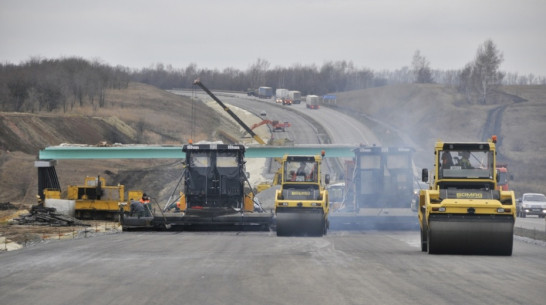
(94, 199)
(301, 204)
(463, 212)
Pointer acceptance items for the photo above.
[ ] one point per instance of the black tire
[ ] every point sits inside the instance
(319, 230)
(326, 226)
(424, 245)
(430, 244)
(507, 251)
(279, 231)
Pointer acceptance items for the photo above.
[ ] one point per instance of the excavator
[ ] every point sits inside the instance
(275, 125)
(464, 212)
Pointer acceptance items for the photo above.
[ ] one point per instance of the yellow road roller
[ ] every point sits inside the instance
(301, 204)
(463, 212)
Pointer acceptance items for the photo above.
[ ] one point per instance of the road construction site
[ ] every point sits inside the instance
(342, 267)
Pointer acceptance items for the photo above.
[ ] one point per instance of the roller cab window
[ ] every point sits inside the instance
(301, 171)
(471, 164)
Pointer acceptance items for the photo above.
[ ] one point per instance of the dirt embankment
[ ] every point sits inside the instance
(421, 114)
(141, 114)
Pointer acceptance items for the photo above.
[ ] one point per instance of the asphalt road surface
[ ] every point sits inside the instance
(260, 268)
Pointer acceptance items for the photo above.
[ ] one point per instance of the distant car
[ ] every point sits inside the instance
(279, 100)
(531, 204)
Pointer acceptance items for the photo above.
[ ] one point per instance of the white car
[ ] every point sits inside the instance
(532, 204)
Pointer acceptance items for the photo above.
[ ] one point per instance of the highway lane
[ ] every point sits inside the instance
(341, 128)
(260, 268)
(301, 131)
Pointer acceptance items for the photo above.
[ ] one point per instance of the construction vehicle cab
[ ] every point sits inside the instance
(214, 180)
(383, 177)
(214, 195)
(378, 190)
(301, 204)
(464, 212)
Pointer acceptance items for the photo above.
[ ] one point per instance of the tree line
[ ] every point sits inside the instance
(62, 84)
(57, 84)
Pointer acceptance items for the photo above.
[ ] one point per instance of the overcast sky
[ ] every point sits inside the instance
(374, 34)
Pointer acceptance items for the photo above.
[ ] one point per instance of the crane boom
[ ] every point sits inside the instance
(235, 117)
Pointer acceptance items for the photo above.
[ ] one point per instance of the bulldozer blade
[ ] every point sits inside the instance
(300, 223)
(484, 235)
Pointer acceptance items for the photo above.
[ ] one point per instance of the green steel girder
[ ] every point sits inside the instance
(175, 152)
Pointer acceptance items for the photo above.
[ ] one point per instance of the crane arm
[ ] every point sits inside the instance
(235, 117)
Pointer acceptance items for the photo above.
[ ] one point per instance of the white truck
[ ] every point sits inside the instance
(281, 93)
(295, 96)
(312, 102)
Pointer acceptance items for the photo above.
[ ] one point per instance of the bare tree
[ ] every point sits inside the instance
(482, 75)
(421, 68)
(486, 68)
(257, 72)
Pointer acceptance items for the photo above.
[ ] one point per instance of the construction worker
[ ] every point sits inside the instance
(137, 208)
(145, 201)
(301, 170)
(447, 160)
(465, 162)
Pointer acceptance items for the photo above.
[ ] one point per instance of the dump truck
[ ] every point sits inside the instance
(94, 199)
(464, 212)
(216, 194)
(378, 190)
(301, 204)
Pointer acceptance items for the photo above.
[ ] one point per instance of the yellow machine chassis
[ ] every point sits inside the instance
(468, 223)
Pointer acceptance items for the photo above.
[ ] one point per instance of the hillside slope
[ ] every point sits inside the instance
(139, 114)
(419, 114)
